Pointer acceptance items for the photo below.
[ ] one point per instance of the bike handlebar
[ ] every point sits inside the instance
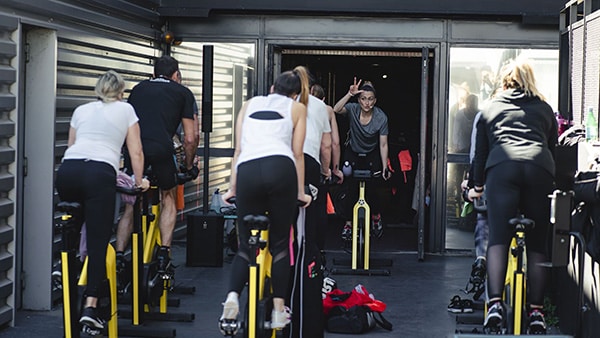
(129, 191)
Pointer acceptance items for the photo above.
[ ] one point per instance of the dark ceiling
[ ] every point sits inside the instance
(537, 12)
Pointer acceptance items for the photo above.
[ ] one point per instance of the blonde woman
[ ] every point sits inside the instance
(89, 170)
(514, 159)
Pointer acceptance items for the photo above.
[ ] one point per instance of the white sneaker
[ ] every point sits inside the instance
(231, 308)
(280, 319)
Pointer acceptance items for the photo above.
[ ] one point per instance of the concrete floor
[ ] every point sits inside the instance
(416, 293)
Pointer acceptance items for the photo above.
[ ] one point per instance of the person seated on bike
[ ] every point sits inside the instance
(161, 104)
(368, 136)
(514, 158)
(88, 174)
(306, 296)
(270, 133)
(318, 91)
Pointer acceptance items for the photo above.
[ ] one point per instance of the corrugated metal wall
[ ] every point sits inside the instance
(233, 69)
(8, 104)
(82, 58)
(93, 36)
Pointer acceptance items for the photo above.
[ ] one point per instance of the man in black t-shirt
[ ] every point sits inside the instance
(161, 104)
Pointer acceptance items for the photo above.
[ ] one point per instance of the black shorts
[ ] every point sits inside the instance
(163, 170)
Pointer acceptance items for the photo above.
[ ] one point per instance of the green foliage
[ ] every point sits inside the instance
(550, 312)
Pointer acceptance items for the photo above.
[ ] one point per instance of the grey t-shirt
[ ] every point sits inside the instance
(365, 138)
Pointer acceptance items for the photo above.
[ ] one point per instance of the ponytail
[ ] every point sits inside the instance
(302, 73)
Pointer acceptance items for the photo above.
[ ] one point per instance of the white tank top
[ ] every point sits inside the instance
(267, 128)
(317, 123)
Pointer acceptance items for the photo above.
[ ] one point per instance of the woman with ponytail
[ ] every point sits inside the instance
(270, 133)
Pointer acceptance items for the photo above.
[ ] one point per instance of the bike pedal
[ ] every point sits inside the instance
(228, 327)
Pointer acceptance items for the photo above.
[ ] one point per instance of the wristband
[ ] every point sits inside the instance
(480, 190)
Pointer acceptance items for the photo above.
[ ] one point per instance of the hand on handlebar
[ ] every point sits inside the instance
(339, 174)
(305, 199)
(145, 184)
(186, 175)
(386, 174)
(228, 197)
(472, 194)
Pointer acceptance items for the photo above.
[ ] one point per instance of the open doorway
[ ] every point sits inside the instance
(396, 76)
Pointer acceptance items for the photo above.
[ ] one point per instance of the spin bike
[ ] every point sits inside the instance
(257, 321)
(515, 287)
(73, 277)
(150, 288)
(69, 226)
(361, 227)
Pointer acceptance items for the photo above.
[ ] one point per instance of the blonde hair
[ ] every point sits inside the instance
(110, 86)
(302, 73)
(519, 74)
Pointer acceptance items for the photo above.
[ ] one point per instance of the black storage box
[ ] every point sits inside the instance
(204, 239)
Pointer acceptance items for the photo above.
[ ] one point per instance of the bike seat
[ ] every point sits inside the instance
(257, 222)
(522, 223)
(68, 207)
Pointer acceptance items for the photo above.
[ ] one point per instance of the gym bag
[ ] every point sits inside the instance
(353, 312)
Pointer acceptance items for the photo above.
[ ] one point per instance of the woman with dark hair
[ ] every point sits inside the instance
(88, 174)
(269, 155)
(368, 144)
(514, 161)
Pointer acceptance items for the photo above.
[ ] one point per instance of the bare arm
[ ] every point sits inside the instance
(325, 154)
(335, 144)
(236, 154)
(190, 142)
(299, 119)
(383, 149)
(72, 133)
(339, 106)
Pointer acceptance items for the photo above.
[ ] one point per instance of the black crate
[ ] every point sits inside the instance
(204, 239)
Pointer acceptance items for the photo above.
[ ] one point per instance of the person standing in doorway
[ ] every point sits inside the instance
(367, 144)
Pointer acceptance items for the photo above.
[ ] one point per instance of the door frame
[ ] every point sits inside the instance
(432, 235)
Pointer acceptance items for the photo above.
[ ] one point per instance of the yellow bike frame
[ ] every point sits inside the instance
(361, 204)
(515, 281)
(258, 275)
(111, 272)
(151, 238)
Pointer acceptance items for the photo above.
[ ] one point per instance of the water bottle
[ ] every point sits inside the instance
(347, 169)
(591, 126)
(215, 203)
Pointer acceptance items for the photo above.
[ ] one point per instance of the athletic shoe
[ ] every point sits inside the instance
(120, 263)
(280, 319)
(494, 321)
(347, 232)
(458, 305)
(231, 308)
(90, 318)
(377, 226)
(537, 324)
(164, 261)
(478, 271)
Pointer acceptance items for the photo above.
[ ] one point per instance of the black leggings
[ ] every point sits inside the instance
(93, 185)
(266, 185)
(512, 188)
